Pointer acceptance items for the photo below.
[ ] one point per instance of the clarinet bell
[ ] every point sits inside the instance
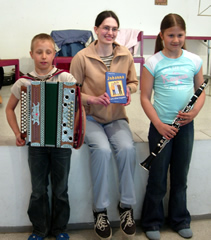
(146, 164)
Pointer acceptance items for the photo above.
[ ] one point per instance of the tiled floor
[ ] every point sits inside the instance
(139, 122)
(201, 231)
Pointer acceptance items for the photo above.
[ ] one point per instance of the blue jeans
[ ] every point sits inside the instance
(177, 155)
(42, 162)
(100, 138)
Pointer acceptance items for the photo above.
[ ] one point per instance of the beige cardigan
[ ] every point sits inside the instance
(89, 70)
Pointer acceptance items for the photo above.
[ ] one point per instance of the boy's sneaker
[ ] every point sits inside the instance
(102, 225)
(35, 237)
(127, 223)
(62, 236)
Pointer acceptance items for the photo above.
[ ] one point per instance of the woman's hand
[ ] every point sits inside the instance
(100, 100)
(128, 95)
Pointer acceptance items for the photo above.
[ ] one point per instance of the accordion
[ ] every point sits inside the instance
(52, 114)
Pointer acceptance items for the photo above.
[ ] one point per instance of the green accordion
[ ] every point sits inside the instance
(52, 114)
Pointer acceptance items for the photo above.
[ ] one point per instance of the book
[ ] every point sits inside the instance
(116, 87)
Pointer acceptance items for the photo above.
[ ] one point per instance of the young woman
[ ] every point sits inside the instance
(173, 73)
(107, 123)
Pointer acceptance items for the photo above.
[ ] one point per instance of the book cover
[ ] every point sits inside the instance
(116, 87)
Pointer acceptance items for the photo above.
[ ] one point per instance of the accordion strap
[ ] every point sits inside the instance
(80, 122)
(31, 77)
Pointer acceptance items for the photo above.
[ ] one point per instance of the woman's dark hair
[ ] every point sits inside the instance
(170, 20)
(103, 15)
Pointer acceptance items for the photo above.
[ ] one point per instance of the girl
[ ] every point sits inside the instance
(107, 123)
(173, 73)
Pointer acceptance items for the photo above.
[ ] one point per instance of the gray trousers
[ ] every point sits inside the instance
(100, 138)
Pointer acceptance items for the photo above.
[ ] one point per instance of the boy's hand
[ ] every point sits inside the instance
(19, 141)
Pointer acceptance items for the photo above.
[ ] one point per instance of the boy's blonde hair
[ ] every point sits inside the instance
(42, 36)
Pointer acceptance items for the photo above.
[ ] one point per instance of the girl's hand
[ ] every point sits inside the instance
(100, 100)
(167, 131)
(128, 95)
(19, 141)
(186, 117)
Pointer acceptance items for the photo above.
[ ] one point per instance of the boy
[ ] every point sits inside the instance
(44, 160)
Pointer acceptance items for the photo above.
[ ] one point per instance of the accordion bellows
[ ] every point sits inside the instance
(52, 114)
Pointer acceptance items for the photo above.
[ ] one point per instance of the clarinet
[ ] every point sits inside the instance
(146, 164)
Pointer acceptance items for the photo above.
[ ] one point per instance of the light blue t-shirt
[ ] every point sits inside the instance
(173, 82)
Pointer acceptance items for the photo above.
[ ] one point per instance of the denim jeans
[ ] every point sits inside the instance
(177, 155)
(42, 162)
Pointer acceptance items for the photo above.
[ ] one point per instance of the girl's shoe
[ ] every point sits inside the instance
(153, 235)
(185, 233)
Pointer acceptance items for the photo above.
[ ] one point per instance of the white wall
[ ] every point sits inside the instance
(21, 20)
(16, 187)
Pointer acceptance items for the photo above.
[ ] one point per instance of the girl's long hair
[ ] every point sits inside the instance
(170, 20)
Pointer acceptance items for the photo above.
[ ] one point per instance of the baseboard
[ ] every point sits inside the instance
(80, 226)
